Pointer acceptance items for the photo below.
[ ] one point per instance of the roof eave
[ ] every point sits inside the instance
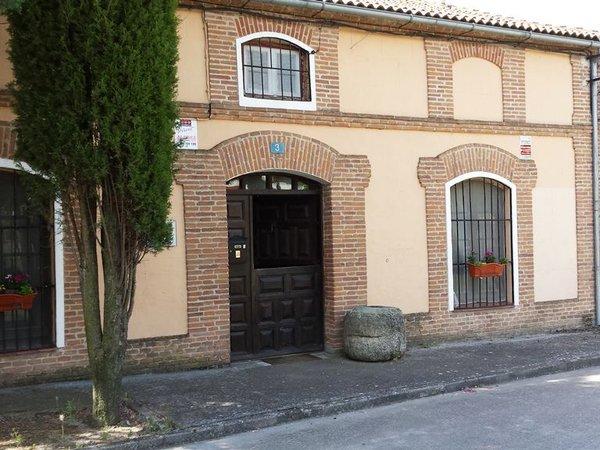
(409, 22)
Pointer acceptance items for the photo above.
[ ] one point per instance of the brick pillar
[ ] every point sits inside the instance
(439, 78)
(582, 144)
(202, 178)
(513, 85)
(8, 138)
(581, 90)
(345, 252)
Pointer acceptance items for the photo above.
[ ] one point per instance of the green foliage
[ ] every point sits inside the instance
(17, 437)
(70, 411)
(16, 283)
(159, 424)
(94, 96)
(94, 90)
(6, 5)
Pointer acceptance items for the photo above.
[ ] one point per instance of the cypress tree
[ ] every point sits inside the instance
(94, 94)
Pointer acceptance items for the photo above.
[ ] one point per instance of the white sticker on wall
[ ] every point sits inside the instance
(525, 147)
(186, 134)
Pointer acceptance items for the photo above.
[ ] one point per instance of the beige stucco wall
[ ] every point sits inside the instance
(161, 294)
(6, 75)
(192, 66)
(160, 307)
(382, 74)
(395, 202)
(554, 221)
(548, 87)
(5, 67)
(477, 85)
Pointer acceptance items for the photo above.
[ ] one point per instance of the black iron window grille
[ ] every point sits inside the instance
(275, 69)
(481, 221)
(26, 246)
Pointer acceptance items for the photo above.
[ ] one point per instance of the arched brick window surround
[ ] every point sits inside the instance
(435, 174)
(491, 53)
(344, 179)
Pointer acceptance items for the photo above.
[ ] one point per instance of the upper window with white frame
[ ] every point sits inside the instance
(275, 71)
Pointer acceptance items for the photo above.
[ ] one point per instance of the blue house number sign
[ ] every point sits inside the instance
(277, 148)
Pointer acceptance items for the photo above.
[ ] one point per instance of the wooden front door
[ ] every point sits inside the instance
(275, 281)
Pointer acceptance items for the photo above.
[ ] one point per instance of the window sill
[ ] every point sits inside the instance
(278, 104)
(483, 309)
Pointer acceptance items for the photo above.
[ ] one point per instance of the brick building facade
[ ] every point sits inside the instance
(384, 165)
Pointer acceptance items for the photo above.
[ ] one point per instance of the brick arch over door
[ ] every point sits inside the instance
(250, 153)
(433, 174)
(344, 179)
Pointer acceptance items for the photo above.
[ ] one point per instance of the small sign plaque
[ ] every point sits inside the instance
(277, 148)
(525, 147)
(186, 134)
(173, 241)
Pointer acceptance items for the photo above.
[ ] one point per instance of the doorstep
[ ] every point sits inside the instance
(206, 404)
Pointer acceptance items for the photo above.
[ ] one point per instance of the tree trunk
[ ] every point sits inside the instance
(106, 336)
(106, 392)
(118, 271)
(108, 374)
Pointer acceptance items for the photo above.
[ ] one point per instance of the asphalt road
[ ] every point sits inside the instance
(553, 412)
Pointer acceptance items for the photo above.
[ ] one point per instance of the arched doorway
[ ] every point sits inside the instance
(275, 264)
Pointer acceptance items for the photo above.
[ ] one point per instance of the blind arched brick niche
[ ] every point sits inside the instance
(433, 174)
(344, 179)
(442, 54)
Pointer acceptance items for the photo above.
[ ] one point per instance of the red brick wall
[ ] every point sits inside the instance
(581, 90)
(8, 139)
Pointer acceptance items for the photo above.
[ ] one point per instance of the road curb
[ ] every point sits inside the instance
(240, 424)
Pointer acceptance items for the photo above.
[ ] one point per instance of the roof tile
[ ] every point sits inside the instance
(444, 10)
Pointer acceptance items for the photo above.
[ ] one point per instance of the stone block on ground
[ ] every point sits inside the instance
(374, 333)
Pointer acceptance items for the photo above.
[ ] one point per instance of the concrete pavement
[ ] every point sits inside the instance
(206, 404)
(551, 412)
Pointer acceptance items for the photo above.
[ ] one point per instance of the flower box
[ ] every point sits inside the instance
(486, 270)
(10, 302)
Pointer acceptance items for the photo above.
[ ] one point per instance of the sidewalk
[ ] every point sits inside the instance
(211, 403)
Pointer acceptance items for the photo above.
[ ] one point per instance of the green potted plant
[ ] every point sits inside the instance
(487, 268)
(16, 292)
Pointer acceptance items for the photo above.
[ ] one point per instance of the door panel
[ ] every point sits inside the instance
(275, 287)
(240, 281)
(287, 230)
(289, 300)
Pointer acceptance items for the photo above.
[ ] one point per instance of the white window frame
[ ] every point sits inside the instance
(59, 267)
(310, 105)
(515, 245)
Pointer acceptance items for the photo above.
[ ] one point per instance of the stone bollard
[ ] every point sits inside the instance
(374, 333)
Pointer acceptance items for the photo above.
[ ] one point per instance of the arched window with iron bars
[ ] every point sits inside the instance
(481, 228)
(275, 69)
